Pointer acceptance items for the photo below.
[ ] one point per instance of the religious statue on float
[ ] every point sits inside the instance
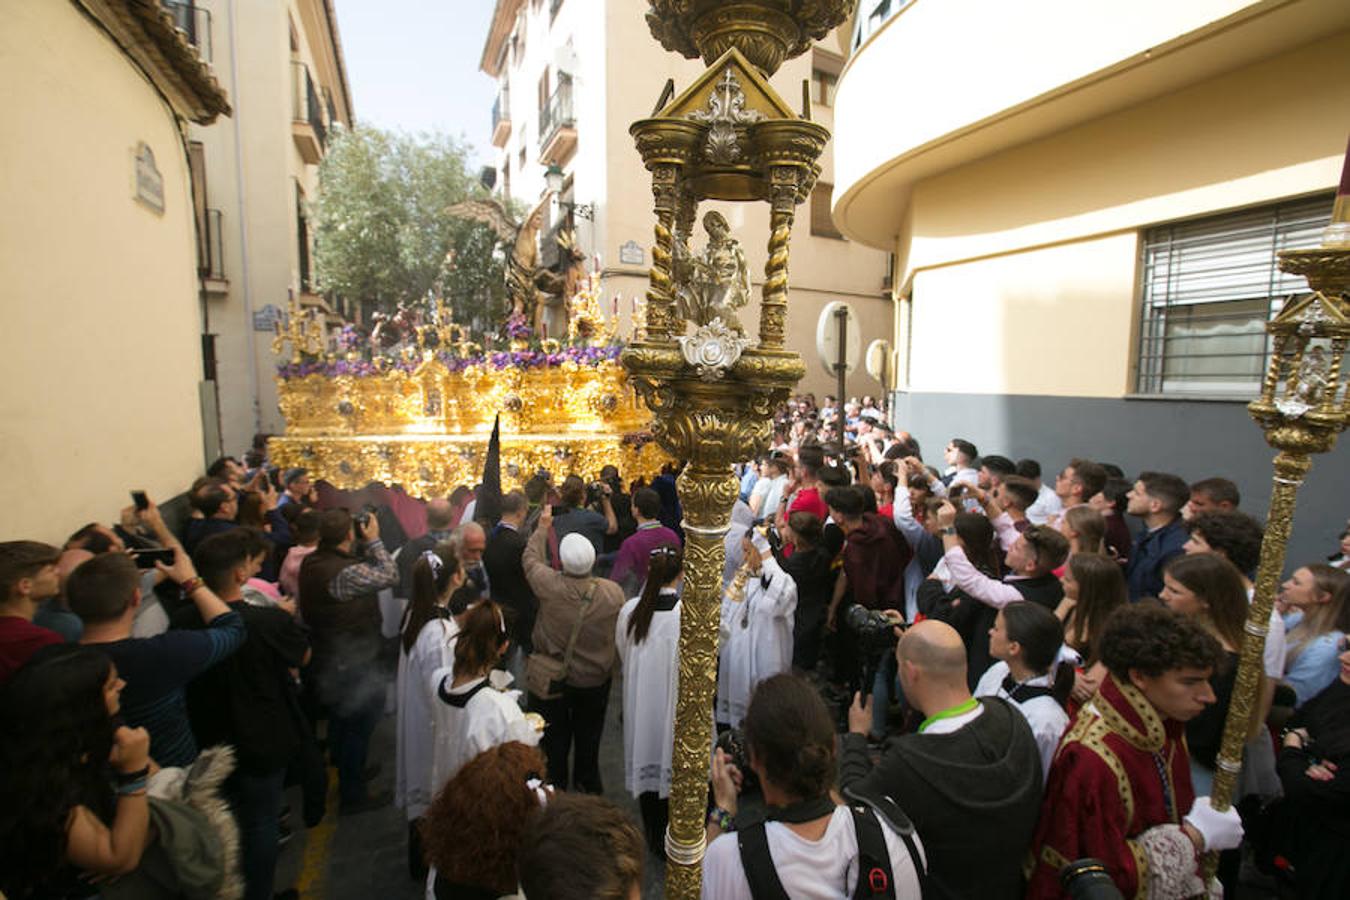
(537, 293)
(715, 283)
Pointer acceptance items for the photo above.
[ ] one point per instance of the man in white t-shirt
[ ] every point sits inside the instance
(807, 843)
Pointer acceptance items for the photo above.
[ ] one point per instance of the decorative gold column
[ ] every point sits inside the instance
(1302, 408)
(712, 392)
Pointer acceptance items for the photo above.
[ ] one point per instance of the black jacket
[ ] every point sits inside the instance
(973, 795)
(506, 576)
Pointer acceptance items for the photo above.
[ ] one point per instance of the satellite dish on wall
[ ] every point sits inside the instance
(827, 337)
(878, 359)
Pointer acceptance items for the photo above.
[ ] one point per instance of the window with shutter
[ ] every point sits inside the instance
(1209, 286)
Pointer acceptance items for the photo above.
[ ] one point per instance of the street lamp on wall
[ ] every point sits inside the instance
(553, 178)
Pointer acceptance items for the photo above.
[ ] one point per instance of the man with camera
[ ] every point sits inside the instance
(339, 587)
(577, 514)
(969, 779)
(805, 842)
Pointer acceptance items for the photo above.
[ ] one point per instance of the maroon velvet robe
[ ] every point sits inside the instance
(1106, 787)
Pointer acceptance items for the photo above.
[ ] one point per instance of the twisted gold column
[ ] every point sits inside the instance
(661, 291)
(773, 309)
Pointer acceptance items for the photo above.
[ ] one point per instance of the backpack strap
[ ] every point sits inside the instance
(753, 843)
(875, 878)
(870, 815)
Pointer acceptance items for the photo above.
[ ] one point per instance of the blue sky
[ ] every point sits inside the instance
(413, 65)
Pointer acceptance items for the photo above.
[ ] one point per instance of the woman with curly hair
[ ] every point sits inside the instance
(426, 644)
(73, 781)
(472, 831)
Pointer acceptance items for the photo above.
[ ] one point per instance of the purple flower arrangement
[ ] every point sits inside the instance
(517, 328)
(493, 359)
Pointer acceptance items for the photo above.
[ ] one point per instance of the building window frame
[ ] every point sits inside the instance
(1207, 288)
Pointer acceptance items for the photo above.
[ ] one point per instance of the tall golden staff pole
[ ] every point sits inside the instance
(1301, 410)
(728, 137)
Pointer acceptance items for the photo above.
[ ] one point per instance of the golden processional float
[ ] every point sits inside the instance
(709, 383)
(415, 403)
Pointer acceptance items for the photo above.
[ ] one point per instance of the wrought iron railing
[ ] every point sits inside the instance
(211, 248)
(306, 105)
(194, 22)
(557, 114)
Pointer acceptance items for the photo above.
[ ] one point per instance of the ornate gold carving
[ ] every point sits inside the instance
(766, 31)
(728, 136)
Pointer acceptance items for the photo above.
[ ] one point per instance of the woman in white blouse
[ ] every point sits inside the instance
(1026, 640)
(477, 715)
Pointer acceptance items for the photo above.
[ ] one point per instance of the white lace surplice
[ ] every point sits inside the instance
(757, 639)
(434, 649)
(651, 677)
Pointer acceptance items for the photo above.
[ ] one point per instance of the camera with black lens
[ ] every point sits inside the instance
(595, 491)
(1088, 879)
(362, 519)
(732, 743)
(874, 629)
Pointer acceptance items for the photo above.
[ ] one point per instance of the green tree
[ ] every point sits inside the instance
(382, 233)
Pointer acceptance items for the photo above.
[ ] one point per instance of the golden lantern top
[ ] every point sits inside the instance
(767, 32)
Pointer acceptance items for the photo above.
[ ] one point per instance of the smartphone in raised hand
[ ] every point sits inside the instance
(141, 501)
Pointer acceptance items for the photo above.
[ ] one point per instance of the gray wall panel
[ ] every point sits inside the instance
(1194, 439)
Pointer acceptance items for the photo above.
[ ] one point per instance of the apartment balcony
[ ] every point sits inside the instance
(211, 254)
(193, 23)
(501, 121)
(1028, 71)
(557, 128)
(307, 125)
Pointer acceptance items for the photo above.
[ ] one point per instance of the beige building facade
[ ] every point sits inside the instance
(257, 174)
(1084, 224)
(573, 75)
(100, 319)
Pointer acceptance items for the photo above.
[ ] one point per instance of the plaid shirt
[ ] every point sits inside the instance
(376, 572)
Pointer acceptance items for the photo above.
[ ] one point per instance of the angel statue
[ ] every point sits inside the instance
(716, 283)
(535, 291)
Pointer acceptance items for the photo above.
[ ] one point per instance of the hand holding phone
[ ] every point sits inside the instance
(141, 501)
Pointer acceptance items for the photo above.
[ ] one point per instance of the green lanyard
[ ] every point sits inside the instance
(959, 710)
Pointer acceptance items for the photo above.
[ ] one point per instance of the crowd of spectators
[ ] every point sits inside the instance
(957, 678)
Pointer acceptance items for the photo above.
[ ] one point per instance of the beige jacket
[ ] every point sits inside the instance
(594, 657)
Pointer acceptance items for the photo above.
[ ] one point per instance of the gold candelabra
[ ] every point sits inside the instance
(729, 137)
(303, 331)
(1303, 406)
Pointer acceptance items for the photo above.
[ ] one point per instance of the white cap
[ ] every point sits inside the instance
(577, 554)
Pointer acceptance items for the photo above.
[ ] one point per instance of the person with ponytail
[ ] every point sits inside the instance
(477, 715)
(1026, 640)
(647, 636)
(806, 843)
(424, 646)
